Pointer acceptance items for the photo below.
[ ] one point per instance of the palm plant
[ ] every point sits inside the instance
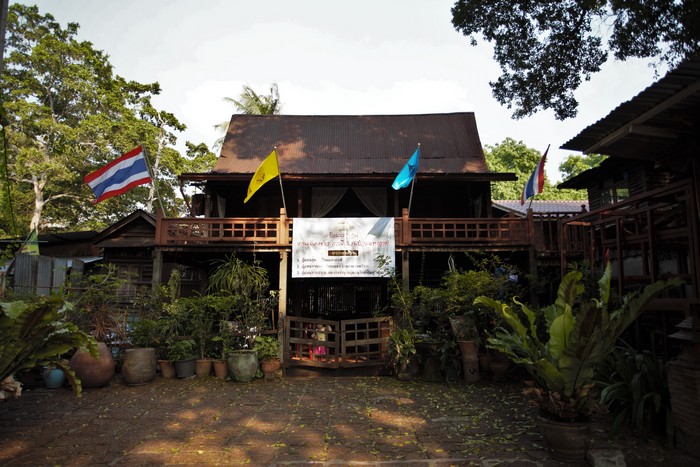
(36, 334)
(245, 286)
(581, 333)
(251, 103)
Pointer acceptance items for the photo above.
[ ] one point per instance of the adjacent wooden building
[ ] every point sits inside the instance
(645, 217)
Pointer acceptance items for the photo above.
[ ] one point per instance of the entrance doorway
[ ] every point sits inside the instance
(323, 343)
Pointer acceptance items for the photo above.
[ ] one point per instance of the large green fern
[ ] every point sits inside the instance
(35, 333)
(580, 336)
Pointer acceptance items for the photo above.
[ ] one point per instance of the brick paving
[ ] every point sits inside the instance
(292, 421)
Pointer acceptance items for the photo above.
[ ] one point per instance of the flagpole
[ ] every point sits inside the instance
(279, 175)
(410, 197)
(153, 179)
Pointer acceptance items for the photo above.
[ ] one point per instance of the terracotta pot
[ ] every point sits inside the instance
(470, 360)
(167, 370)
(270, 368)
(203, 367)
(93, 372)
(485, 362)
(220, 369)
(499, 370)
(243, 365)
(139, 366)
(566, 441)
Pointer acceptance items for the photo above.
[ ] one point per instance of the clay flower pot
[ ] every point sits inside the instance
(93, 372)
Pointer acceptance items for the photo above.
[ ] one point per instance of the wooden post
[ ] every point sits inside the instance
(157, 269)
(282, 303)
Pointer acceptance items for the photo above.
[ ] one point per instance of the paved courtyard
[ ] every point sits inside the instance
(293, 421)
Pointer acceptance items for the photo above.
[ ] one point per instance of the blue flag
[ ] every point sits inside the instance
(404, 178)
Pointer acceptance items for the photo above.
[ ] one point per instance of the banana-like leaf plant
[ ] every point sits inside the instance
(579, 335)
(35, 333)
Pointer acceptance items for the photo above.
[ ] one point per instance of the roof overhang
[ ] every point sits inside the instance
(659, 122)
(442, 177)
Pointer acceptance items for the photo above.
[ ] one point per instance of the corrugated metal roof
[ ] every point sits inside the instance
(353, 144)
(542, 207)
(653, 123)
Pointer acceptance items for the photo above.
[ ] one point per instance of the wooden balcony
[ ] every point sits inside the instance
(277, 232)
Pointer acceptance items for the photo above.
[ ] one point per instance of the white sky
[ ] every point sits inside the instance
(328, 58)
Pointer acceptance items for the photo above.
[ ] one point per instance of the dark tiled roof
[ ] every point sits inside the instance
(353, 144)
(654, 123)
(542, 207)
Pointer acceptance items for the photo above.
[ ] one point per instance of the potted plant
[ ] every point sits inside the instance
(268, 348)
(245, 286)
(93, 308)
(402, 353)
(579, 333)
(467, 337)
(139, 366)
(182, 354)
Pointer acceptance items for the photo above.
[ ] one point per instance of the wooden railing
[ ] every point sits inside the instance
(278, 231)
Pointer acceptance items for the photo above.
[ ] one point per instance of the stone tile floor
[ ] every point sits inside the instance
(292, 421)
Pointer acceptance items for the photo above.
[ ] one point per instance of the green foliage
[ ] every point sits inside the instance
(402, 346)
(145, 332)
(635, 391)
(36, 333)
(246, 287)
(268, 347)
(69, 114)
(181, 349)
(547, 49)
(515, 156)
(96, 308)
(575, 164)
(580, 334)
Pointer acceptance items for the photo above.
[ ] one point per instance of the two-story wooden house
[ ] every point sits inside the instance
(309, 228)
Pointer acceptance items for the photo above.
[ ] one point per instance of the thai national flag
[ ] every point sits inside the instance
(119, 175)
(536, 182)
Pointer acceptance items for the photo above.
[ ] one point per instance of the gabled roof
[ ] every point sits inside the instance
(353, 144)
(661, 120)
(119, 235)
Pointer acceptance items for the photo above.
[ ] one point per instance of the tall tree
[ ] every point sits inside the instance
(515, 156)
(546, 49)
(66, 113)
(251, 103)
(575, 164)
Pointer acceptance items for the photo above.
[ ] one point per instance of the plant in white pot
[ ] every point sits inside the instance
(579, 333)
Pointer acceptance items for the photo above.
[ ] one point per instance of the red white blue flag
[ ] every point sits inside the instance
(119, 176)
(536, 182)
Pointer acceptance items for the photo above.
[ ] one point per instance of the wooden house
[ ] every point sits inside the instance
(336, 175)
(645, 217)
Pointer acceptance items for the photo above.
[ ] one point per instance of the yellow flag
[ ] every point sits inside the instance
(31, 244)
(266, 172)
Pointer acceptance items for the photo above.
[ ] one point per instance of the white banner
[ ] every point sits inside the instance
(342, 247)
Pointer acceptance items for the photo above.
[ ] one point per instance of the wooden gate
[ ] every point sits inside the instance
(334, 344)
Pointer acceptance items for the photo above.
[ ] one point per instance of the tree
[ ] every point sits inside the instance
(65, 114)
(575, 164)
(251, 103)
(515, 156)
(546, 49)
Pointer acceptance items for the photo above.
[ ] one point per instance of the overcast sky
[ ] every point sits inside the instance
(328, 58)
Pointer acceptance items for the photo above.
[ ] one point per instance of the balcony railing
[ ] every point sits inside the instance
(278, 231)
